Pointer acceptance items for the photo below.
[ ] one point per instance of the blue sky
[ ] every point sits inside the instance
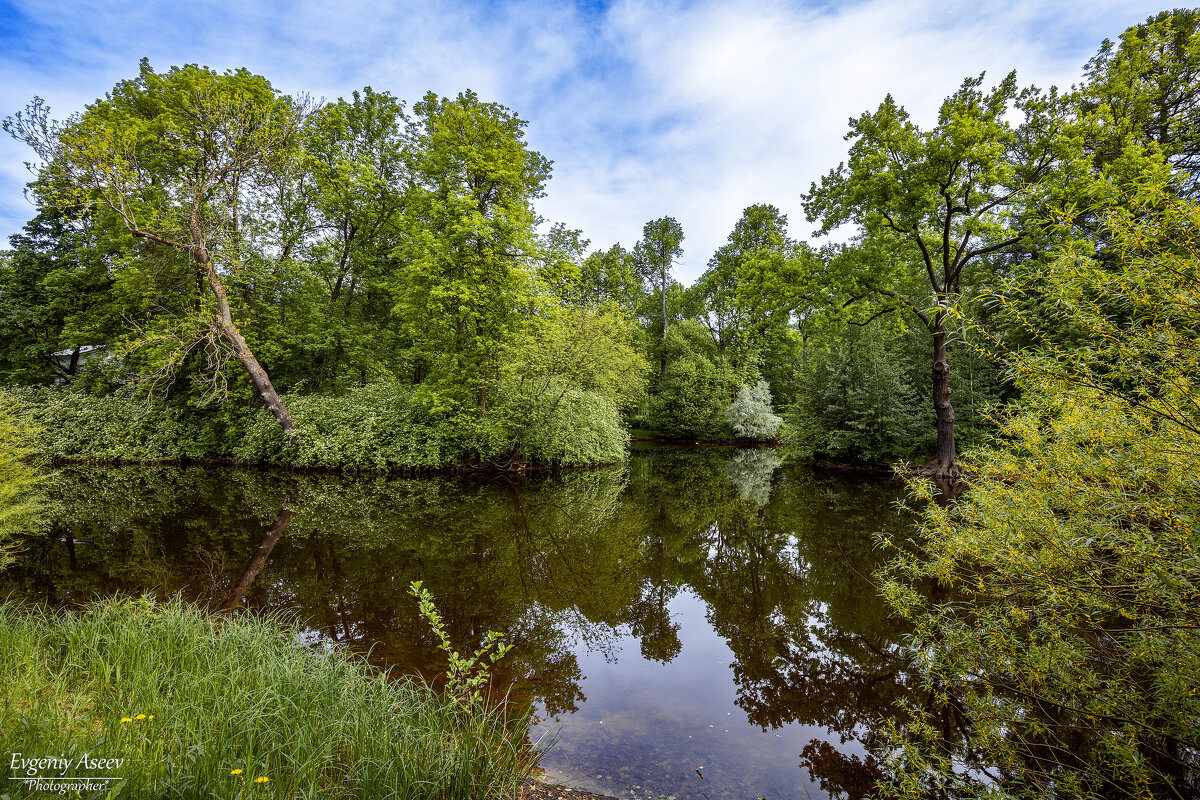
(689, 109)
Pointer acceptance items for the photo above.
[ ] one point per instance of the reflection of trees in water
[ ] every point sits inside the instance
(751, 472)
(550, 562)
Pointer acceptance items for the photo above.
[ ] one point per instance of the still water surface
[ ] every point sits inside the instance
(696, 623)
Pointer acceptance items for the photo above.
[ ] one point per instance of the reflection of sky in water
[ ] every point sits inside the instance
(646, 727)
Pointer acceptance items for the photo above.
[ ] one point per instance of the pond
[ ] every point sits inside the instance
(696, 623)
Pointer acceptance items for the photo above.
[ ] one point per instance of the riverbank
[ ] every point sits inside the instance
(373, 429)
(161, 699)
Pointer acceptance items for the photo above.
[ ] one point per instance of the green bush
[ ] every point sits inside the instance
(856, 402)
(689, 398)
(200, 706)
(382, 427)
(584, 428)
(374, 427)
(76, 426)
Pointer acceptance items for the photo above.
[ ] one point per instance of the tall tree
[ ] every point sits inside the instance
(934, 205)
(753, 284)
(1147, 87)
(359, 153)
(185, 159)
(469, 240)
(654, 255)
(610, 276)
(56, 295)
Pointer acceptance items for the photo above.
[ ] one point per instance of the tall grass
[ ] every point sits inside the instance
(186, 700)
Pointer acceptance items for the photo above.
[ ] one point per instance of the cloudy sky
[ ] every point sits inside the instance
(689, 109)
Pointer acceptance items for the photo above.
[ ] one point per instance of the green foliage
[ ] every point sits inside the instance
(20, 500)
(653, 257)
(610, 276)
(468, 244)
(199, 168)
(76, 426)
(750, 414)
(1144, 89)
(55, 295)
(564, 383)
(376, 427)
(196, 705)
(690, 397)
(855, 400)
(1064, 630)
(465, 676)
(583, 428)
(754, 284)
(935, 207)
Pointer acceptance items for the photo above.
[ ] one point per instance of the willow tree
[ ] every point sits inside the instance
(1065, 635)
(934, 205)
(191, 162)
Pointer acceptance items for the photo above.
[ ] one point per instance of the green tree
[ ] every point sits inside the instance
(1147, 86)
(195, 165)
(934, 205)
(1063, 631)
(856, 398)
(753, 286)
(357, 152)
(469, 243)
(561, 267)
(654, 255)
(56, 294)
(690, 396)
(610, 276)
(566, 354)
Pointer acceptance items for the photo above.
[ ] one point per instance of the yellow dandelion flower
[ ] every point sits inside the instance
(151, 717)
(140, 716)
(261, 779)
(125, 719)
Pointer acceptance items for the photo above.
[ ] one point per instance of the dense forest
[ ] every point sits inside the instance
(220, 271)
(374, 275)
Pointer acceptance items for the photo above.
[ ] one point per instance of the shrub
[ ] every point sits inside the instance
(76, 426)
(1063, 631)
(856, 402)
(375, 427)
(584, 428)
(750, 413)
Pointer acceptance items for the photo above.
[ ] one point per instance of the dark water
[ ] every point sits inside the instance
(695, 624)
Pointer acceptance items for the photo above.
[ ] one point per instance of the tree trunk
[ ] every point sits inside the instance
(947, 457)
(225, 324)
(662, 291)
(231, 334)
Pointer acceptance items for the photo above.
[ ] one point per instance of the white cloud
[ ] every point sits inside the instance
(693, 110)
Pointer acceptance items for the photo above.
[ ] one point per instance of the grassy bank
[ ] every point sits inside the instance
(197, 706)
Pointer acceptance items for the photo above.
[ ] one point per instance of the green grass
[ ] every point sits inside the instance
(223, 694)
